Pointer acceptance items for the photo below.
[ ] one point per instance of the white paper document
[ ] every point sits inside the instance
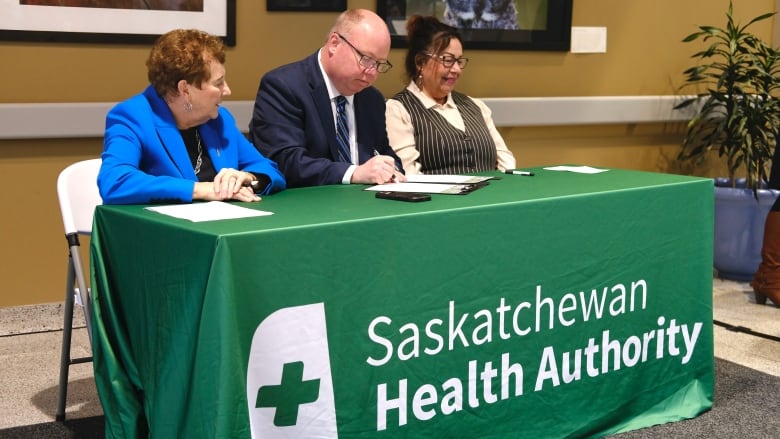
(210, 211)
(450, 179)
(426, 188)
(578, 169)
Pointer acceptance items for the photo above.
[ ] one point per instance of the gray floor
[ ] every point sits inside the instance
(30, 339)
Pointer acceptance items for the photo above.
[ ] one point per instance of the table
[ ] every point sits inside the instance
(557, 305)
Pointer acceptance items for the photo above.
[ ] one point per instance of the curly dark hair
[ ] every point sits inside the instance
(426, 34)
(182, 54)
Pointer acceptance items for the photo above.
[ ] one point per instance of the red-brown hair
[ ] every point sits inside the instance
(182, 54)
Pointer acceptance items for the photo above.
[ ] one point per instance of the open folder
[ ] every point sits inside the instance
(435, 184)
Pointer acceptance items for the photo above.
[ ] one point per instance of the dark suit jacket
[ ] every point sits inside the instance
(145, 160)
(293, 124)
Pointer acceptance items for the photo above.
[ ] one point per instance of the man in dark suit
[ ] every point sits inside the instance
(296, 119)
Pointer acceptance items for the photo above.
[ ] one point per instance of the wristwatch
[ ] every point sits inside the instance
(259, 184)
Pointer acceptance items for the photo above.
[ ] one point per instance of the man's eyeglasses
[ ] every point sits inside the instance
(448, 60)
(366, 61)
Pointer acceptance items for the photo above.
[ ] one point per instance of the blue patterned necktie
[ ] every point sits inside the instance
(342, 129)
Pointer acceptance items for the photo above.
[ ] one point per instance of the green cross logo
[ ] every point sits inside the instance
(289, 395)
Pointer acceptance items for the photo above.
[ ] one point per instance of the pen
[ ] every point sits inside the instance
(516, 172)
(376, 153)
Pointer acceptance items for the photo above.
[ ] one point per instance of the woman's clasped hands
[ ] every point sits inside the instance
(229, 184)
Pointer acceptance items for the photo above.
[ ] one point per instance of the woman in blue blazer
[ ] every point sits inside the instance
(173, 142)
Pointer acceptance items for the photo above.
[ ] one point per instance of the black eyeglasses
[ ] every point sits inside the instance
(448, 60)
(366, 61)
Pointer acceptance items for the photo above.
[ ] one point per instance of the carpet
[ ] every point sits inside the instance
(745, 407)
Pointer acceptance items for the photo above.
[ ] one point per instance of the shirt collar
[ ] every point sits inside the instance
(427, 101)
(332, 92)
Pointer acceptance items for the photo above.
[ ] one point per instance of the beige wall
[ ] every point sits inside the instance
(644, 57)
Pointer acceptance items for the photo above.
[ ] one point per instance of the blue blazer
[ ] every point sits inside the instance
(293, 124)
(145, 160)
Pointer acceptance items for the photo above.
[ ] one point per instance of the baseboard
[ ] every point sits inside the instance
(30, 319)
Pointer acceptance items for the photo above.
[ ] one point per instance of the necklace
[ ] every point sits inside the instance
(199, 160)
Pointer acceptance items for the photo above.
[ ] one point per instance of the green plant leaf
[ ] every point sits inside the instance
(736, 82)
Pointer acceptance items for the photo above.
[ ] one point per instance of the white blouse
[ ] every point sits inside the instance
(400, 130)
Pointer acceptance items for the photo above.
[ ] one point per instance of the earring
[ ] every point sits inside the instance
(188, 106)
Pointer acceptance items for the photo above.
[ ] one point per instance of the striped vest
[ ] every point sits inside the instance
(445, 149)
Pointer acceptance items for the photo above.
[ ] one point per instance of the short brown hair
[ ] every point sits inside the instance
(182, 54)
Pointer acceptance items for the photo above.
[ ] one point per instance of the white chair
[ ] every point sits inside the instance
(78, 194)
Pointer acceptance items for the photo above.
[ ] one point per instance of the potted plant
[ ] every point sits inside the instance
(737, 115)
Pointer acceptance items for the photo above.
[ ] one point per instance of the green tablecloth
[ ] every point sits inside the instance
(560, 305)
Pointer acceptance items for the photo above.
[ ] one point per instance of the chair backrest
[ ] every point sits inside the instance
(78, 193)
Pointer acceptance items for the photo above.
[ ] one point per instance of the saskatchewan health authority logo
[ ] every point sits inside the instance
(288, 385)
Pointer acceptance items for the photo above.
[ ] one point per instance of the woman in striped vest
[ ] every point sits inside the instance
(431, 127)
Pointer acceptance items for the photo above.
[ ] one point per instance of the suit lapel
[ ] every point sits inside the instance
(169, 136)
(365, 151)
(173, 144)
(212, 142)
(319, 94)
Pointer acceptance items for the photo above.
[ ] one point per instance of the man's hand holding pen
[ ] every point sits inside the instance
(378, 169)
(397, 176)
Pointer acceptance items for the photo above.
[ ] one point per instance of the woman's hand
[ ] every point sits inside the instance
(229, 184)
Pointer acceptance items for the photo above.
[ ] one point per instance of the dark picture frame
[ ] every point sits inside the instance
(132, 23)
(536, 25)
(306, 5)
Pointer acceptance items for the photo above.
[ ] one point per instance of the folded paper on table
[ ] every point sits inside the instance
(578, 169)
(210, 211)
(447, 179)
(428, 188)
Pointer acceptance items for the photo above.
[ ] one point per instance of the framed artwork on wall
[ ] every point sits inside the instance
(306, 5)
(489, 24)
(113, 21)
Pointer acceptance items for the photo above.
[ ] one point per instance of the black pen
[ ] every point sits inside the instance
(395, 179)
(516, 172)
